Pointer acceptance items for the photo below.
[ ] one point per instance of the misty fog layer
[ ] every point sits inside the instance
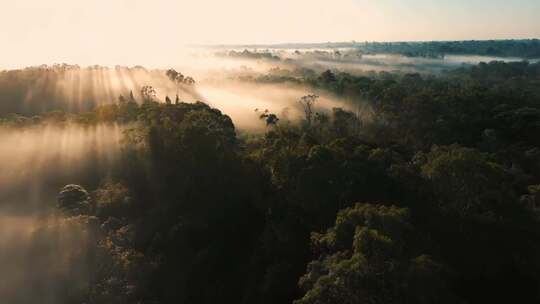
(37, 161)
(239, 100)
(43, 255)
(44, 259)
(219, 79)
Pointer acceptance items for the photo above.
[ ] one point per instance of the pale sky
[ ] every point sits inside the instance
(154, 31)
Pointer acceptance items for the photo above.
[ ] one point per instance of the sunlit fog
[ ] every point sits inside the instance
(153, 33)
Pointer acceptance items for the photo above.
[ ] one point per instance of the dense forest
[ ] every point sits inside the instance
(432, 195)
(529, 48)
(396, 57)
(503, 48)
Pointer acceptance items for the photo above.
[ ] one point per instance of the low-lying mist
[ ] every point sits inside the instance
(37, 161)
(239, 100)
(41, 250)
(218, 83)
(219, 80)
(44, 259)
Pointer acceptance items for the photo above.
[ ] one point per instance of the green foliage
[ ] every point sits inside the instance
(366, 257)
(112, 200)
(468, 183)
(74, 200)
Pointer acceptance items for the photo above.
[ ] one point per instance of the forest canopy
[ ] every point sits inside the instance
(430, 194)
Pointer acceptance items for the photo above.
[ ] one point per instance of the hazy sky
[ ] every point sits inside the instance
(153, 31)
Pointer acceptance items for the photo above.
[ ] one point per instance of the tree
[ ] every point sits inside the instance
(112, 200)
(131, 97)
(368, 257)
(148, 94)
(270, 118)
(128, 111)
(175, 77)
(171, 74)
(74, 200)
(307, 103)
(179, 79)
(328, 77)
(189, 80)
(468, 183)
(344, 123)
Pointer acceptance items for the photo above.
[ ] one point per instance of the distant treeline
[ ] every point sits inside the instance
(498, 48)
(504, 48)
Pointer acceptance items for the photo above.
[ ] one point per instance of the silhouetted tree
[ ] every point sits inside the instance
(148, 94)
(307, 102)
(189, 80)
(131, 97)
(74, 200)
(269, 118)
